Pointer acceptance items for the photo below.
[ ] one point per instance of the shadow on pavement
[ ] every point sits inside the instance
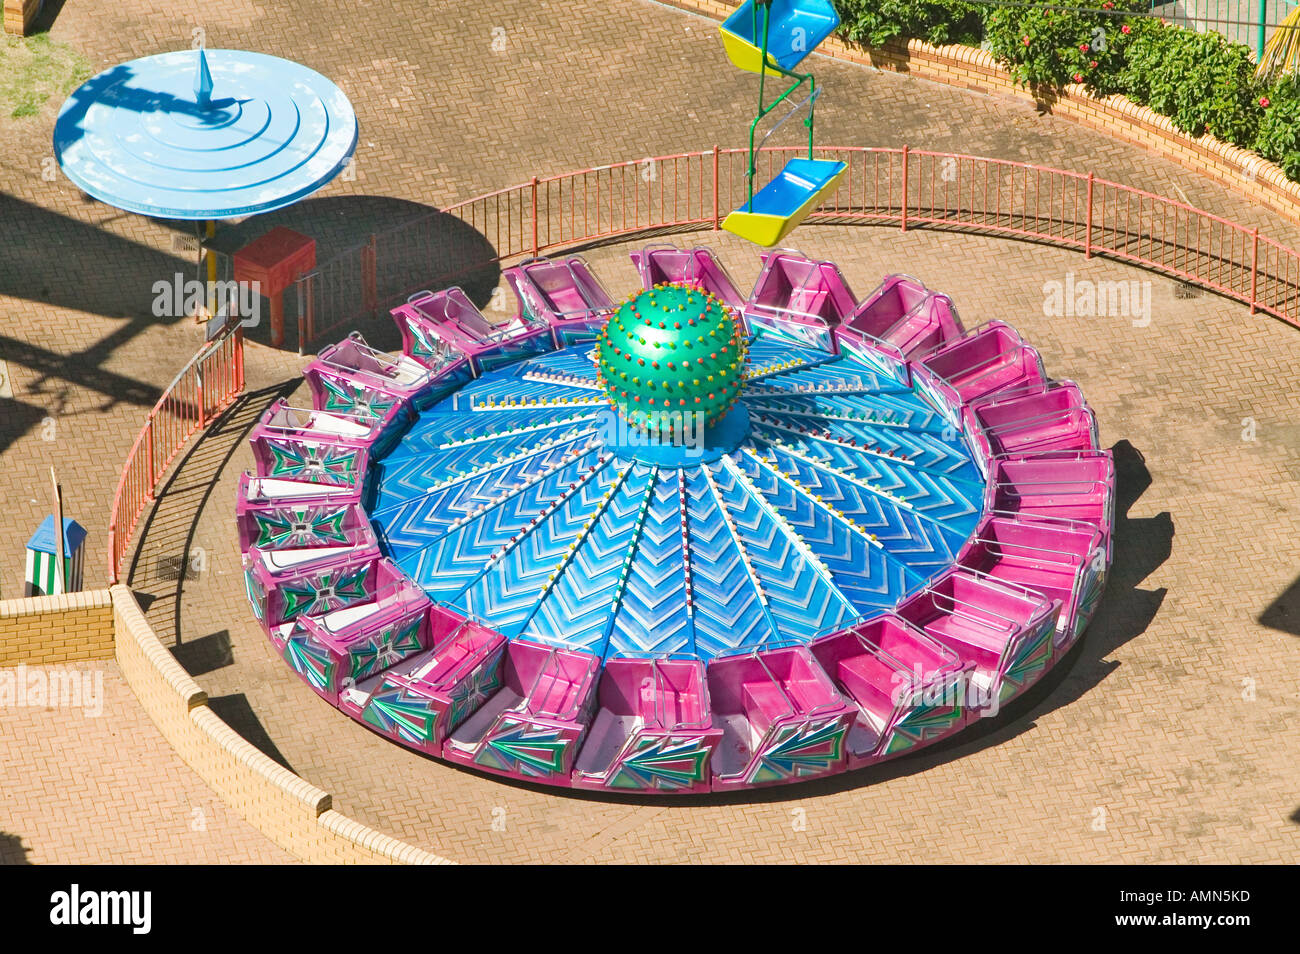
(58, 260)
(337, 223)
(53, 258)
(12, 851)
(235, 712)
(17, 418)
(416, 247)
(1284, 612)
(205, 654)
(165, 555)
(50, 11)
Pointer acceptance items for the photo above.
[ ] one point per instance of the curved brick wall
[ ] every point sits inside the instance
(290, 811)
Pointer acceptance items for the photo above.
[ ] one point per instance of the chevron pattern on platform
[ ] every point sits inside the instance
(508, 501)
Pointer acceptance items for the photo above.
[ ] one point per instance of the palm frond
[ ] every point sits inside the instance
(1281, 54)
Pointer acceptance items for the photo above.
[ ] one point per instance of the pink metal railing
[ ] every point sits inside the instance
(203, 389)
(695, 190)
(913, 188)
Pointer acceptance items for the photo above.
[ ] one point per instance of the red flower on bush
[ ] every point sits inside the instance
(1263, 101)
(1025, 40)
(1092, 64)
(1126, 29)
(1083, 47)
(1078, 77)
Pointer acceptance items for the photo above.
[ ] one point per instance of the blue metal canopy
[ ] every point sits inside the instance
(200, 134)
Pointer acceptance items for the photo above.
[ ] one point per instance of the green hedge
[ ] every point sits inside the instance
(874, 22)
(1200, 81)
(1278, 139)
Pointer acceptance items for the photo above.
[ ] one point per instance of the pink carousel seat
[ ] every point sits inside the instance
(562, 293)
(1074, 485)
(799, 298)
(1055, 418)
(1003, 629)
(447, 321)
(760, 700)
(990, 359)
(903, 313)
(880, 664)
(653, 729)
(697, 266)
(534, 724)
(1056, 558)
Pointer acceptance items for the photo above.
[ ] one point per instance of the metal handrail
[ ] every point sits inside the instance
(991, 196)
(180, 412)
(1245, 266)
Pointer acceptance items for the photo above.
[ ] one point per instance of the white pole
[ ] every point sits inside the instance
(59, 582)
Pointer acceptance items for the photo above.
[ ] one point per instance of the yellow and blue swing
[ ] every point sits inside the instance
(789, 31)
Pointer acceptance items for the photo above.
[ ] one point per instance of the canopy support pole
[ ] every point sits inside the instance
(210, 231)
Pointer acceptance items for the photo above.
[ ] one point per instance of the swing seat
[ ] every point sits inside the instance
(783, 203)
(797, 27)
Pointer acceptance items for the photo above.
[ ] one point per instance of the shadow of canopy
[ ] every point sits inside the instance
(1284, 612)
(417, 247)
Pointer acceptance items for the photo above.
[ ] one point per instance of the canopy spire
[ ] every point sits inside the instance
(203, 81)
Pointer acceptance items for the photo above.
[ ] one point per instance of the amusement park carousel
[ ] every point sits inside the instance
(682, 542)
(685, 541)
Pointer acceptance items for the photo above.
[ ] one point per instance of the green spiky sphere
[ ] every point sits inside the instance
(670, 351)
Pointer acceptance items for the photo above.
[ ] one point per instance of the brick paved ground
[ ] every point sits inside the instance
(95, 783)
(1150, 723)
(443, 116)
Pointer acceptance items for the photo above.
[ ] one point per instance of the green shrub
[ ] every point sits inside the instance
(1112, 54)
(1199, 80)
(1278, 139)
(1049, 46)
(875, 22)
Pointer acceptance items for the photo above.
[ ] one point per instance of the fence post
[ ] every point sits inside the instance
(1259, 39)
(302, 326)
(903, 204)
(715, 187)
(1254, 267)
(306, 311)
(534, 185)
(198, 389)
(1087, 239)
(112, 551)
(153, 474)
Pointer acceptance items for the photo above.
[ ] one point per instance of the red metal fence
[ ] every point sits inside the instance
(202, 390)
(907, 187)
